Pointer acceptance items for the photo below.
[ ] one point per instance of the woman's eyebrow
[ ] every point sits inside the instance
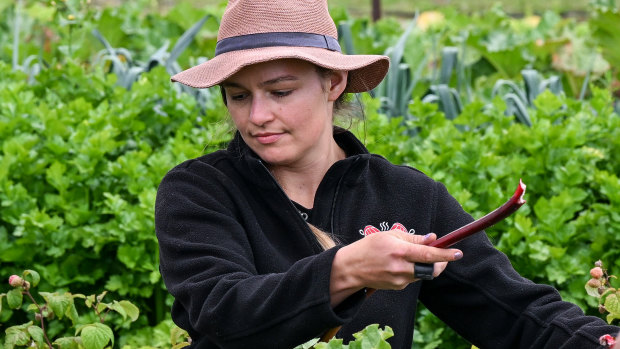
(264, 83)
(278, 79)
(230, 84)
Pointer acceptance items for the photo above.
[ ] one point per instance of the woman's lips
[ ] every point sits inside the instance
(267, 138)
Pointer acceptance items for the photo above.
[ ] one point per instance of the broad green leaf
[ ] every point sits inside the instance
(101, 307)
(14, 298)
(34, 277)
(130, 309)
(37, 334)
(612, 304)
(18, 335)
(130, 255)
(59, 303)
(72, 313)
(96, 336)
(67, 343)
(118, 308)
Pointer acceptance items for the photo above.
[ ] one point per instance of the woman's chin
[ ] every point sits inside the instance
(274, 158)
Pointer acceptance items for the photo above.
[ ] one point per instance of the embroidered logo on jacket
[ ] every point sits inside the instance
(371, 229)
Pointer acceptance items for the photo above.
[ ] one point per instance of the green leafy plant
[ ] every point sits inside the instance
(371, 337)
(81, 214)
(599, 286)
(57, 306)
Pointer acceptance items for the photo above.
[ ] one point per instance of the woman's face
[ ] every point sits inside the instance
(283, 110)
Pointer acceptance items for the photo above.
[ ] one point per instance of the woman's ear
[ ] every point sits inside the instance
(338, 82)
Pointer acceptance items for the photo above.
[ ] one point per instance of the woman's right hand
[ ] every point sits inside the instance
(384, 260)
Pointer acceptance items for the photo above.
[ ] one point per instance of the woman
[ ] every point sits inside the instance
(270, 243)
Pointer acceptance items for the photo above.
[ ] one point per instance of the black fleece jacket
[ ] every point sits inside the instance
(246, 271)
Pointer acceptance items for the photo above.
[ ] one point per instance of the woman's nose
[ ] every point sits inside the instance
(260, 113)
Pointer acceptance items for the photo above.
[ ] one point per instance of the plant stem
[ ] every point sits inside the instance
(480, 224)
(27, 293)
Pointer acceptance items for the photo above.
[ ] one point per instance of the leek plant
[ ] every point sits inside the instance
(447, 97)
(519, 99)
(128, 71)
(32, 64)
(395, 92)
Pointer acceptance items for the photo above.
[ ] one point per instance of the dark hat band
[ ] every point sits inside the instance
(249, 41)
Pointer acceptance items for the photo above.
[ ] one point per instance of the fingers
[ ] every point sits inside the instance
(417, 251)
(386, 260)
(412, 238)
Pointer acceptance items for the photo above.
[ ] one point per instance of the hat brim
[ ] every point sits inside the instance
(365, 71)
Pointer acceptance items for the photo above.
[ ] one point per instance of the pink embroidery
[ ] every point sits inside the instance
(371, 229)
(399, 227)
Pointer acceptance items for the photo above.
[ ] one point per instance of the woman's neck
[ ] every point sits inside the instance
(301, 181)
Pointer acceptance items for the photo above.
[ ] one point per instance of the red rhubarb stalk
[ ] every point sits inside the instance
(483, 223)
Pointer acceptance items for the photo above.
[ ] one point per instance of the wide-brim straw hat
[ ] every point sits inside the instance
(255, 31)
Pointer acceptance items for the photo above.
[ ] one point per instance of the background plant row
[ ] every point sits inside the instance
(89, 124)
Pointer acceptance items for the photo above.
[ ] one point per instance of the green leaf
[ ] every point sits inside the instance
(14, 298)
(34, 277)
(185, 40)
(96, 336)
(130, 309)
(309, 344)
(547, 102)
(592, 291)
(72, 313)
(118, 308)
(67, 343)
(18, 335)
(612, 304)
(90, 300)
(335, 343)
(59, 303)
(101, 296)
(37, 334)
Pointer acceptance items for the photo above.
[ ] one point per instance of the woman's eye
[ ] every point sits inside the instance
(282, 93)
(238, 96)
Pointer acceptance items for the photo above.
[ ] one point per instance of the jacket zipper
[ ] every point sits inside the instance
(306, 228)
(336, 193)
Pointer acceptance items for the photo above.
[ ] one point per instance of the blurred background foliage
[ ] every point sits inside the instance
(478, 95)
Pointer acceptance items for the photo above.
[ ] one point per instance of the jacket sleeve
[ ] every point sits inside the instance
(207, 264)
(487, 302)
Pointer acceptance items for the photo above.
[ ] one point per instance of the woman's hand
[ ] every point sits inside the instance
(386, 261)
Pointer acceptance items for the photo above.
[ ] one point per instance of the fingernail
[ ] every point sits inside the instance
(458, 255)
(427, 236)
